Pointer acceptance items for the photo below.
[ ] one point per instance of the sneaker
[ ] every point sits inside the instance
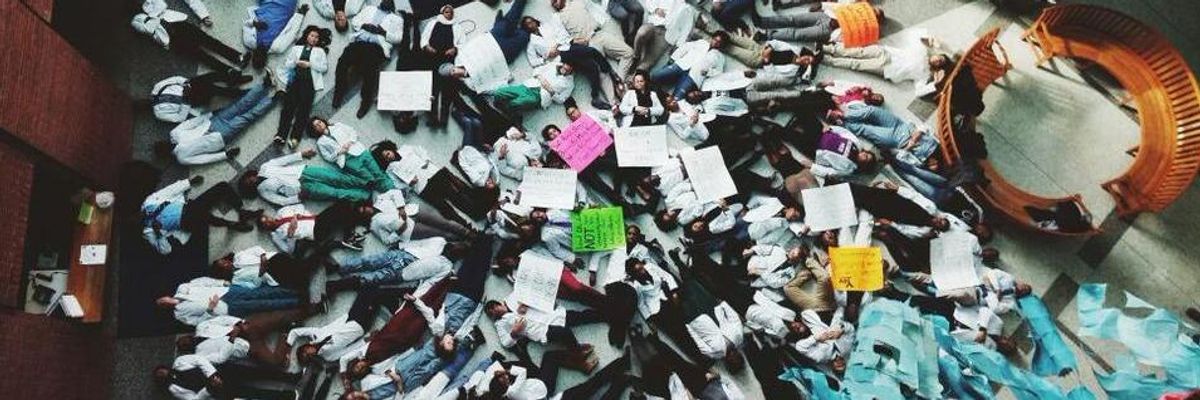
(302, 10)
(600, 104)
(1193, 313)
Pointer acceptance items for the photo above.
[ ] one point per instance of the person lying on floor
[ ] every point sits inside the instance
(285, 181)
(203, 298)
(271, 27)
(413, 170)
(208, 138)
(169, 218)
(396, 221)
(415, 261)
(177, 98)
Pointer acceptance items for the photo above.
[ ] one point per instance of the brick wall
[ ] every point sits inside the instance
(54, 100)
(15, 186)
(43, 8)
(51, 358)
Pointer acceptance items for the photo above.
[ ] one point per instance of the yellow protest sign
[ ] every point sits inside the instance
(856, 268)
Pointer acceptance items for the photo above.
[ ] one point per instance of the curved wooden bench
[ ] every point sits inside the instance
(1161, 84)
(985, 58)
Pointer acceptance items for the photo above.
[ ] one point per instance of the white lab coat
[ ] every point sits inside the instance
(519, 153)
(172, 111)
(289, 35)
(699, 59)
(286, 240)
(629, 102)
(712, 336)
(195, 143)
(281, 179)
(388, 224)
(175, 193)
(318, 64)
(330, 144)
(343, 333)
(390, 22)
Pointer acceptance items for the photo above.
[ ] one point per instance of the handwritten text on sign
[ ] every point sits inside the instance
(858, 269)
(598, 229)
(581, 142)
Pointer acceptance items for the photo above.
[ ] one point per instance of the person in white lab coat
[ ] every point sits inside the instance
(339, 144)
(170, 29)
(203, 298)
(177, 98)
(640, 106)
(691, 64)
(169, 218)
(304, 74)
(412, 169)
(285, 181)
(203, 139)
(376, 30)
(270, 27)
(551, 83)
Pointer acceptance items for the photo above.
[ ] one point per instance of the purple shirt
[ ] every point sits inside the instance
(833, 142)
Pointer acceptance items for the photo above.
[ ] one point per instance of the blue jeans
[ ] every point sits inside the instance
(232, 120)
(672, 74)
(731, 14)
(243, 302)
(886, 130)
(508, 33)
(378, 269)
(925, 182)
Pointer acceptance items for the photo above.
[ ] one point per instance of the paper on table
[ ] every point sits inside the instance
(536, 281)
(856, 268)
(405, 90)
(547, 187)
(951, 262)
(641, 146)
(93, 254)
(829, 207)
(708, 174)
(581, 142)
(597, 229)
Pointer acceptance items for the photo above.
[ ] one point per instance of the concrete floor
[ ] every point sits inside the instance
(1047, 132)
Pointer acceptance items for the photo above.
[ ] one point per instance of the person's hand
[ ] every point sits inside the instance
(747, 252)
(522, 309)
(345, 148)
(552, 53)
(303, 64)
(413, 182)
(660, 12)
(641, 110)
(451, 52)
(695, 117)
(503, 151)
(518, 326)
(212, 302)
(889, 185)
(308, 153)
(981, 336)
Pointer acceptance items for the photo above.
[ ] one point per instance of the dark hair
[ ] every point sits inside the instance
(248, 183)
(387, 5)
(313, 133)
(377, 152)
(664, 224)
(443, 353)
(724, 37)
(490, 304)
(528, 18)
(570, 102)
(497, 387)
(631, 265)
(324, 36)
(546, 129)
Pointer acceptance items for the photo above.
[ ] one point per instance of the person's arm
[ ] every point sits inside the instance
(201, 10)
(176, 189)
(306, 333)
(506, 329)
(707, 336)
(395, 29)
(193, 361)
(270, 191)
(283, 161)
(289, 35)
(656, 107)
(628, 103)
(329, 148)
(181, 393)
(318, 60)
(437, 323)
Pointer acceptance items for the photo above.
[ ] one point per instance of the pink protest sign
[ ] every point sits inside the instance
(581, 142)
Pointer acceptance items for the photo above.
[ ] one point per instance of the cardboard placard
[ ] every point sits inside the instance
(597, 229)
(547, 187)
(641, 146)
(856, 269)
(581, 142)
(405, 90)
(858, 23)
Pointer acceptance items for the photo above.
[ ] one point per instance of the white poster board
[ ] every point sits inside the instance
(547, 187)
(641, 146)
(536, 281)
(405, 91)
(485, 63)
(830, 207)
(708, 174)
(951, 261)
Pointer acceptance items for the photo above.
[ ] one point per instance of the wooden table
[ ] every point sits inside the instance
(86, 282)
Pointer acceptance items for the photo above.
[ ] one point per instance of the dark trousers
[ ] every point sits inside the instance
(508, 33)
(446, 192)
(189, 40)
(360, 58)
(297, 107)
(590, 63)
(612, 375)
(197, 213)
(884, 203)
(658, 362)
(237, 378)
(767, 366)
(202, 88)
(474, 270)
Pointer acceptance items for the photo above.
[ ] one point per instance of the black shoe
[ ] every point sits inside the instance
(760, 36)
(498, 356)
(242, 226)
(302, 10)
(1193, 313)
(232, 152)
(362, 110)
(600, 104)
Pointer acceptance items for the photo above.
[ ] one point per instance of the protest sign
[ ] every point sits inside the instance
(641, 146)
(708, 174)
(405, 91)
(859, 25)
(951, 261)
(829, 207)
(856, 268)
(581, 142)
(536, 281)
(597, 229)
(547, 187)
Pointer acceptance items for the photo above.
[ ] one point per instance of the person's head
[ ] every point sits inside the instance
(166, 302)
(445, 346)
(989, 255)
(874, 98)
(792, 214)
(718, 40)
(538, 215)
(384, 153)
(566, 69)
(186, 344)
(258, 57)
(838, 364)
(697, 228)
(355, 395)
(1022, 289)
(528, 230)
(506, 264)
(803, 60)
(530, 24)
(671, 103)
(306, 354)
(314, 36)
(797, 330)
(864, 159)
(733, 359)
(633, 234)
(551, 131)
(939, 61)
(695, 96)
(248, 183)
(640, 80)
(666, 220)
(162, 376)
(939, 223)
(828, 239)
(797, 254)
(447, 12)
(572, 110)
(358, 369)
(318, 126)
(636, 268)
(495, 309)
(222, 268)
(340, 21)
(983, 232)
(500, 382)
(558, 4)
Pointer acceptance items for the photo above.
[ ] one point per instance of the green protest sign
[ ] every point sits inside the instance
(597, 229)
